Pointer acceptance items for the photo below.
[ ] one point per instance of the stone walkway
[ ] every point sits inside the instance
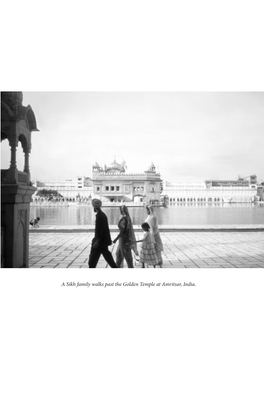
(189, 249)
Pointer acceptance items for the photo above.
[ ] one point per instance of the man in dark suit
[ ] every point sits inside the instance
(101, 239)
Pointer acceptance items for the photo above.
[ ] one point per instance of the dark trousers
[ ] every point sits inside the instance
(96, 253)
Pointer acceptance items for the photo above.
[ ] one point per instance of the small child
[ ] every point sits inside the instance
(34, 222)
(148, 254)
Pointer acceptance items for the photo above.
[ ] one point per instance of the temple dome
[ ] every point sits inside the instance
(152, 167)
(114, 167)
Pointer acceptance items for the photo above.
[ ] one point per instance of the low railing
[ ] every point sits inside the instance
(118, 204)
(46, 203)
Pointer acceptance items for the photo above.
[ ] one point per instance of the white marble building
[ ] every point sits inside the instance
(231, 191)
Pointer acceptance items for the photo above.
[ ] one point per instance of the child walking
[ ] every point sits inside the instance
(148, 254)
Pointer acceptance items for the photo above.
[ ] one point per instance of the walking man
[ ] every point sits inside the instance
(101, 239)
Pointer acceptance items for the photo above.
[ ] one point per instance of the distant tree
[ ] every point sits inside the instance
(48, 193)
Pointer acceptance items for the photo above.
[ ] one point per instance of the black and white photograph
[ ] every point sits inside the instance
(132, 137)
(94, 167)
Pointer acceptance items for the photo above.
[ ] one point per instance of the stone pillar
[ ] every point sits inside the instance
(15, 224)
(13, 156)
(12, 173)
(26, 162)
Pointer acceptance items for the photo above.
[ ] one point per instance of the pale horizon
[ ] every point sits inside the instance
(190, 137)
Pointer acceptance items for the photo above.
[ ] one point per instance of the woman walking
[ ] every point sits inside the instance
(152, 220)
(127, 240)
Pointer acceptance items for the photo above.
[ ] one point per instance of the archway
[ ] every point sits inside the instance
(137, 198)
(5, 154)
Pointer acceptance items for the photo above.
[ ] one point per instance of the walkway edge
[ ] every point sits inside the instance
(164, 228)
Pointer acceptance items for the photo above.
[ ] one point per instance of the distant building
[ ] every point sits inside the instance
(240, 190)
(79, 188)
(261, 191)
(111, 183)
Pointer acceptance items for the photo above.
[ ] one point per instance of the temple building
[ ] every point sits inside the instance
(111, 183)
(79, 188)
(242, 190)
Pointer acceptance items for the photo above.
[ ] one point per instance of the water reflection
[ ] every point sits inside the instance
(175, 214)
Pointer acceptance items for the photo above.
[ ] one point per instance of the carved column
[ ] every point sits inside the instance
(26, 163)
(12, 173)
(13, 155)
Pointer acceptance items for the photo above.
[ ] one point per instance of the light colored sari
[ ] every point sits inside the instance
(152, 220)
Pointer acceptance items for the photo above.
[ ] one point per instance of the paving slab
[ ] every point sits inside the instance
(193, 249)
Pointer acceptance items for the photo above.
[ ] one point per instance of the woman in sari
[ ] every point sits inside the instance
(152, 220)
(127, 240)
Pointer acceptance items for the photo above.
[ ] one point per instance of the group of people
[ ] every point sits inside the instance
(151, 248)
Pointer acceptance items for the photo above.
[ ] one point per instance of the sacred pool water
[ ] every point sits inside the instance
(178, 214)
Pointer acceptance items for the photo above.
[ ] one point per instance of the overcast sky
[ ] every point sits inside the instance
(188, 136)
